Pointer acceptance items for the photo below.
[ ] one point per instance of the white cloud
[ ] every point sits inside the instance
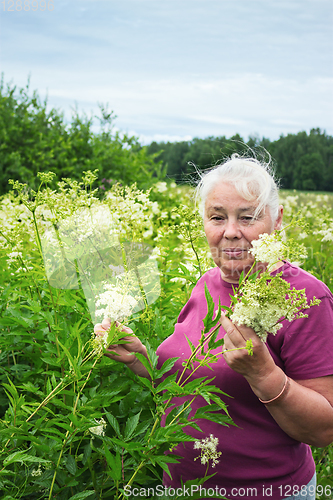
(181, 68)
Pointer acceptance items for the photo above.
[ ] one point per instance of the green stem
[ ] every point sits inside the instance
(195, 253)
(67, 436)
(185, 408)
(47, 399)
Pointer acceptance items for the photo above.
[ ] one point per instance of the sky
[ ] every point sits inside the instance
(177, 69)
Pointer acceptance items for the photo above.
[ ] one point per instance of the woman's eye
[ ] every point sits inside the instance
(247, 219)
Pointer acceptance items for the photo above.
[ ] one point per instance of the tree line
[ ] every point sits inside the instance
(302, 161)
(33, 139)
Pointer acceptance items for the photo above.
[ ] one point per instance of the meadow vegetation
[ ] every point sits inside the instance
(74, 423)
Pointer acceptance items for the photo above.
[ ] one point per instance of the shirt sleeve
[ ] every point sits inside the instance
(307, 347)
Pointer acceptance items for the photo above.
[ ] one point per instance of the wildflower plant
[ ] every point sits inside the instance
(208, 451)
(262, 300)
(74, 423)
(63, 403)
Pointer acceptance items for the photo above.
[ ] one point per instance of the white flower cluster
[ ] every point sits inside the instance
(289, 204)
(268, 249)
(114, 305)
(208, 447)
(98, 430)
(263, 319)
(271, 248)
(133, 211)
(264, 302)
(326, 231)
(37, 472)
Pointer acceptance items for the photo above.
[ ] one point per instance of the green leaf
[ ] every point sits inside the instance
(114, 462)
(213, 413)
(23, 457)
(192, 346)
(114, 423)
(210, 310)
(71, 465)
(145, 363)
(169, 383)
(146, 383)
(86, 453)
(82, 495)
(71, 361)
(131, 425)
(167, 365)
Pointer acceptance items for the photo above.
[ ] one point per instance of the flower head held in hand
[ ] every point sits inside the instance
(263, 301)
(117, 307)
(271, 248)
(114, 305)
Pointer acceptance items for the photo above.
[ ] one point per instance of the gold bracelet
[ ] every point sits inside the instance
(284, 388)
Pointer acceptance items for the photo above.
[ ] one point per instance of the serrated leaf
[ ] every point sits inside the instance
(86, 453)
(167, 365)
(145, 363)
(131, 425)
(192, 346)
(114, 423)
(168, 383)
(23, 457)
(210, 309)
(71, 465)
(114, 462)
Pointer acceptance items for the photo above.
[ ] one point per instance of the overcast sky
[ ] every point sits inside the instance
(178, 69)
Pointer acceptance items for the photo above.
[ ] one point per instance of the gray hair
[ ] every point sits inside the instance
(252, 179)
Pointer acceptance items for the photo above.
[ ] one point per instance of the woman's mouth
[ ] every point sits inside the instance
(234, 253)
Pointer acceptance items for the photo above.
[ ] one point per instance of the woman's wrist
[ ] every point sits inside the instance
(136, 365)
(271, 388)
(279, 396)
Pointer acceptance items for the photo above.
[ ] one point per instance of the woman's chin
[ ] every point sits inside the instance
(233, 269)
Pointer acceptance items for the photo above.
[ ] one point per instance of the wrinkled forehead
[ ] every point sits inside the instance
(226, 194)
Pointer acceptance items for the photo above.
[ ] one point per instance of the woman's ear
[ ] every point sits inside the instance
(278, 222)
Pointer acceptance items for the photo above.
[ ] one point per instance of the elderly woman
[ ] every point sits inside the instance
(282, 396)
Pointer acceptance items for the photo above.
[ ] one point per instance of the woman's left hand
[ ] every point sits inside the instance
(304, 411)
(260, 370)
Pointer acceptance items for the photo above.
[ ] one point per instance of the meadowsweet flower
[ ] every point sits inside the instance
(160, 187)
(208, 447)
(114, 305)
(98, 430)
(271, 248)
(263, 303)
(267, 248)
(326, 231)
(37, 472)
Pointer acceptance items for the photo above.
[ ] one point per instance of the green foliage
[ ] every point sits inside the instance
(33, 139)
(303, 161)
(75, 424)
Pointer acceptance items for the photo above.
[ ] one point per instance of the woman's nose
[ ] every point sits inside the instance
(232, 230)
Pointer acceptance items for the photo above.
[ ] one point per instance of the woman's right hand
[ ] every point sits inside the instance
(125, 353)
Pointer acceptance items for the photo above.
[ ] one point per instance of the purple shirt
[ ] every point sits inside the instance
(257, 453)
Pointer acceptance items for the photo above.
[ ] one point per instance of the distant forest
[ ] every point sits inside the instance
(33, 139)
(302, 161)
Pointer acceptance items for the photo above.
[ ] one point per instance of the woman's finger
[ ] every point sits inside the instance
(112, 349)
(232, 332)
(99, 329)
(106, 323)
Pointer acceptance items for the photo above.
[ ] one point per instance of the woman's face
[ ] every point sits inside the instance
(230, 227)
